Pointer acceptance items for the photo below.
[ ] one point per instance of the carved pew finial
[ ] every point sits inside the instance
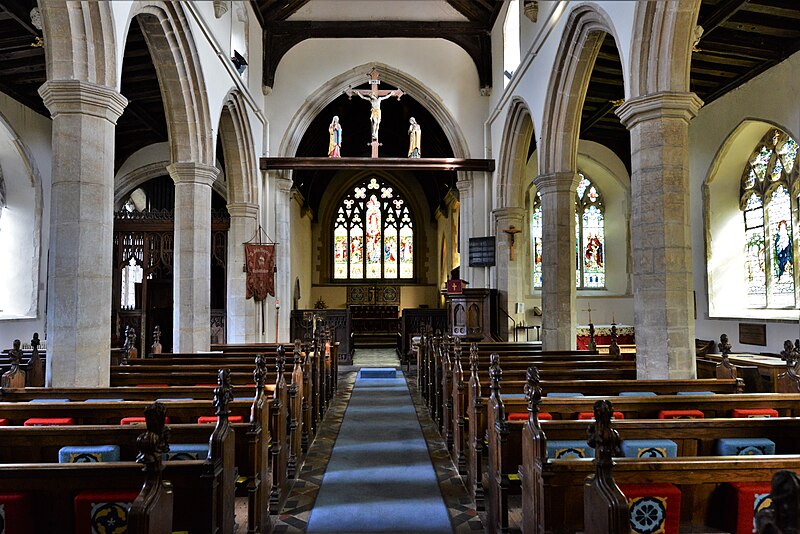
(298, 351)
(495, 373)
(613, 347)
(724, 346)
(260, 372)
(605, 508)
(223, 394)
(473, 358)
(151, 512)
(280, 361)
(592, 342)
(789, 382)
(155, 348)
(35, 370)
(782, 516)
(14, 377)
(533, 394)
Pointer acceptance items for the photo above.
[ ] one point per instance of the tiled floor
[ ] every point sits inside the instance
(295, 514)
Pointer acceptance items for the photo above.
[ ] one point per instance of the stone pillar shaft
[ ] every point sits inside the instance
(191, 270)
(284, 282)
(559, 323)
(241, 320)
(662, 249)
(510, 276)
(81, 231)
(465, 216)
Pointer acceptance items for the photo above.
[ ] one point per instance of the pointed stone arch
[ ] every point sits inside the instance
(79, 41)
(517, 136)
(355, 76)
(169, 38)
(661, 50)
(583, 36)
(241, 162)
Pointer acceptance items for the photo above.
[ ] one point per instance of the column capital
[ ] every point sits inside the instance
(663, 105)
(243, 209)
(556, 182)
(283, 184)
(464, 184)
(184, 172)
(510, 214)
(76, 96)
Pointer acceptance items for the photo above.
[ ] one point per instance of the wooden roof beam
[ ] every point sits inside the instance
(725, 10)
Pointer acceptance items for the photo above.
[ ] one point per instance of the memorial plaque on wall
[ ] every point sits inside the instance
(753, 334)
(481, 251)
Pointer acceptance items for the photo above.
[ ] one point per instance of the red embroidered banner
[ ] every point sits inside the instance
(260, 270)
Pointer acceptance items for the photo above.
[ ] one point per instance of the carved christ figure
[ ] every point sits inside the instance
(375, 113)
(374, 96)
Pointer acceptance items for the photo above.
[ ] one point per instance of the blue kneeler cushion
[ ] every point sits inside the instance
(637, 394)
(104, 400)
(744, 446)
(187, 451)
(649, 448)
(88, 454)
(695, 393)
(567, 449)
(48, 400)
(564, 394)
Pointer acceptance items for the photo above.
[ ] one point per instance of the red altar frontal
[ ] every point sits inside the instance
(602, 335)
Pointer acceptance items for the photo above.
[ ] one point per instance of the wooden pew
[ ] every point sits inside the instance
(203, 490)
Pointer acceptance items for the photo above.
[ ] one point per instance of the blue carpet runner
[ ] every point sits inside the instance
(380, 477)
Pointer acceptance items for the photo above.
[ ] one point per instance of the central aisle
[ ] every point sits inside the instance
(380, 477)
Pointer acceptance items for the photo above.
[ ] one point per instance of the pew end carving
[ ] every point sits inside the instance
(14, 377)
(151, 512)
(605, 507)
(789, 381)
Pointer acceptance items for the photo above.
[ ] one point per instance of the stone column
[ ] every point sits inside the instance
(241, 320)
(284, 281)
(81, 231)
(191, 269)
(557, 191)
(510, 274)
(662, 247)
(466, 215)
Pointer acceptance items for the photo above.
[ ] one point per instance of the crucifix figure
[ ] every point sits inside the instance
(374, 96)
(511, 231)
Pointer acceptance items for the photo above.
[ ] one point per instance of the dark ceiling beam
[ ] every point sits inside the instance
(279, 38)
(724, 10)
(144, 117)
(272, 10)
(596, 117)
(20, 13)
(473, 11)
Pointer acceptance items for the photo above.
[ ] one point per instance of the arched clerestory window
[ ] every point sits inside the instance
(373, 234)
(768, 200)
(590, 242)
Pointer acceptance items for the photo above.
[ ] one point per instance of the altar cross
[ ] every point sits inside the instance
(375, 96)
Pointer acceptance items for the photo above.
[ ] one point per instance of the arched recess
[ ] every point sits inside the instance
(724, 224)
(169, 39)
(661, 50)
(583, 36)
(79, 41)
(241, 161)
(356, 76)
(236, 142)
(517, 137)
(20, 227)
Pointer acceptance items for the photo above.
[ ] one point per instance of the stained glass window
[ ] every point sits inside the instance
(768, 205)
(589, 237)
(373, 235)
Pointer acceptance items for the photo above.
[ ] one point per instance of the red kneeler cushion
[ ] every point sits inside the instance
(754, 412)
(207, 419)
(748, 498)
(137, 421)
(49, 421)
(590, 415)
(543, 416)
(681, 414)
(4, 422)
(102, 511)
(654, 508)
(16, 513)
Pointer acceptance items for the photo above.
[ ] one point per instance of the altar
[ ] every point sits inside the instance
(602, 335)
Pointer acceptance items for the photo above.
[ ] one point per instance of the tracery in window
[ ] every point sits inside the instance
(589, 237)
(768, 200)
(373, 234)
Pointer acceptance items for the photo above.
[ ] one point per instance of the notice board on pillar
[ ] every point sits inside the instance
(481, 251)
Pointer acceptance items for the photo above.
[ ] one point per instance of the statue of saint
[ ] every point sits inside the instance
(335, 143)
(414, 139)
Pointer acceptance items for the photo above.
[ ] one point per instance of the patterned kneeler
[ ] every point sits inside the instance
(103, 512)
(749, 498)
(654, 508)
(16, 513)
